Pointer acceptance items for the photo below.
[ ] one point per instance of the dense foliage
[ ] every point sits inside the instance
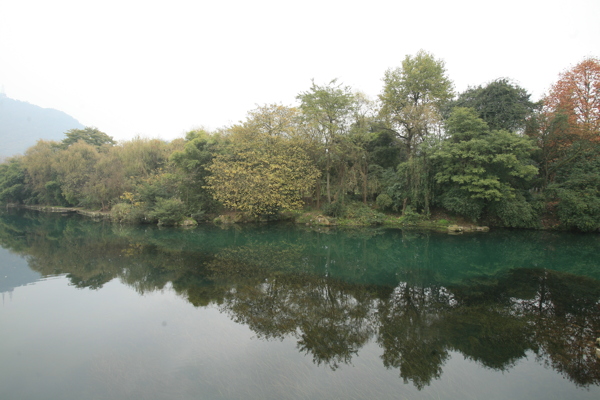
(487, 154)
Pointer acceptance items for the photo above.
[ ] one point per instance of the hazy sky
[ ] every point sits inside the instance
(161, 68)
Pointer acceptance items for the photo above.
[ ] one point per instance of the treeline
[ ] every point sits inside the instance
(487, 154)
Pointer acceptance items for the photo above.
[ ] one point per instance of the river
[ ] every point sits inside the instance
(94, 310)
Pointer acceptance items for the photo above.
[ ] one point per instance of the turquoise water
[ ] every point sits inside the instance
(100, 311)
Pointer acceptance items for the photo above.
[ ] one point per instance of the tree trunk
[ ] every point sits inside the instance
(318, 189)
(328, 177)
(365, 173)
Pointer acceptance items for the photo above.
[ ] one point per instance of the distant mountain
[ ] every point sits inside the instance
(23, 124)
(15, 272)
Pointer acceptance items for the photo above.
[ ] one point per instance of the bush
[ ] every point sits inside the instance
(361, 214)
(460, 203)
(128, 213)
(335, 209)
(411, 217)
(168, 211)
(577, 189)
(580, 209)
(384, 202)
(516, 212)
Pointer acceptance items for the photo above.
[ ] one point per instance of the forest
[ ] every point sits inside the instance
(489, 155)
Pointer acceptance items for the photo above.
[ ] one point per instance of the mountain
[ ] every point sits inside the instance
(23, 124)
(15, 272)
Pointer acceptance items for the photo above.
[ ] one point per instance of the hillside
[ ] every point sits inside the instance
(23, 124)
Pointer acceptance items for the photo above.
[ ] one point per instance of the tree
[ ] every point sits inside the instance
(12, 181)
(142, 157)
(91, 136)
(577, 96)
(480, 167)
(261, 172)
(411, 103)
(273, 120)
(570, 114)
(412, 98)
(577, 188)
(75, 166)
(41, 177)
(327, 110)
(106, 181)
(501, 104)
(192, 164)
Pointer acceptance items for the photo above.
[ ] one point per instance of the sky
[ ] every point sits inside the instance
(158, 69)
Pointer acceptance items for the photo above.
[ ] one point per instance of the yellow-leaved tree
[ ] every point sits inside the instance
(264, 170)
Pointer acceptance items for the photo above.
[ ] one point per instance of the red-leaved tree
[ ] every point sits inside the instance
(576, 97)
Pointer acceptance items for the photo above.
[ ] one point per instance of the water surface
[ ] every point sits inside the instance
(102, 311)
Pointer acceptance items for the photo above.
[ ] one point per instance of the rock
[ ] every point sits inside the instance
(455, 228)
(188, 222)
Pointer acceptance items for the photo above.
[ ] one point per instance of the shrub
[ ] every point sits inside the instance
(335, 209)
(516, 212)
(384, 202)
(128, 213)
(361, 214)
(411, 217)
(580, 209)
(168, 211)
(460, 203)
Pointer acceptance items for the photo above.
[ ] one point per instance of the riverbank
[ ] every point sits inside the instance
(65, 210)
(361, 216)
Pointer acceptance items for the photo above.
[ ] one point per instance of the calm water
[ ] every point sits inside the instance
(92, 310)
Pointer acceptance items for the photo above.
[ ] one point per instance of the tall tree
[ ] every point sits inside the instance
(412, 97)
(576, 189)
(192, 162)
(41, 177)
(90, 135)
(327, 110)
(500, 103)
(479, 167)
(106, 180)
(263, 170)
(577, 96)
(12, 181)
(570, 114)
(75, 166)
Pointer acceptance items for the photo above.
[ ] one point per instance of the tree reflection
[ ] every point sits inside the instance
(411, 332)
(330, 319)
(333, 294)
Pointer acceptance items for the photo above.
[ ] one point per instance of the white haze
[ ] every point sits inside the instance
(158, 69)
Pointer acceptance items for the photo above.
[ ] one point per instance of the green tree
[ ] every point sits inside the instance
(142, 157)
(327, 112)
(12, 181)
(412, 98)
(91, 136)
(41, 177)
(107, 181)
(577, 188)
(411, 103)
(192, 163)
(478, 166)
(75, 166)
(500, 103)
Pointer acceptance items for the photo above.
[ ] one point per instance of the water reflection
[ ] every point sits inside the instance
(494, 298)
